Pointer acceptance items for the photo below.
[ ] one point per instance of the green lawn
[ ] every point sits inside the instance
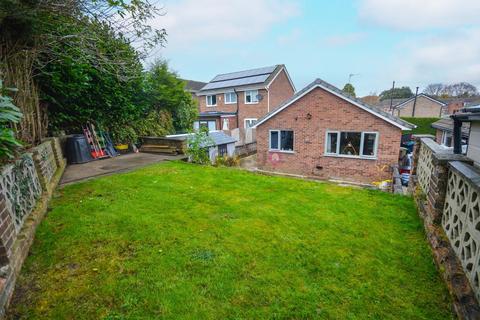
(181, 241)
(424, 125)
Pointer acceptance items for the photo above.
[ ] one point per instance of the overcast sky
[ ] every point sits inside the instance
(414, 42)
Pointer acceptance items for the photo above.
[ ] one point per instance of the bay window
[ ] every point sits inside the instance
(351, 144)
(281, 140)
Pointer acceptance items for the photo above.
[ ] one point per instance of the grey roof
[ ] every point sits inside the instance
(383, 104)
(219, 138)
(194, 86)
(328, 86)
(446, 124)
(216, 114)
(241, 78)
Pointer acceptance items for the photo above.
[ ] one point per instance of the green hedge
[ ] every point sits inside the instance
(423, 125)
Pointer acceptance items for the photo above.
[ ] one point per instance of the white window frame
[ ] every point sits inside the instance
(206, 99)
(229, 93)
(248, 119)
(361, 156)
(444, 138)
(279, 141)
(254, 98)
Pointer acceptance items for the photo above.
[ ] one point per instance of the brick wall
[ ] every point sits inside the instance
(453, 107)
(328, 112)
(280, 90)
(438, 136)
(23, 203)
(424, 107)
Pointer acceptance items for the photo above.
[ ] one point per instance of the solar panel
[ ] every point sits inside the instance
(236, 82)
(244, 74)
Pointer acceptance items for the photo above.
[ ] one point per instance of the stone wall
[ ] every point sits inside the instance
(26, 186)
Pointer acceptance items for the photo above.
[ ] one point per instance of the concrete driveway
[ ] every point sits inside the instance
(84, 171)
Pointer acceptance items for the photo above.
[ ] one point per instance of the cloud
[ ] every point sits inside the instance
(451, 57)
(290, 37)
(418, 15)
(211, 21)
(345, 39)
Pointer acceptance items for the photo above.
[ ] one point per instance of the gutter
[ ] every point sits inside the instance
(268, 98)
(236, 112)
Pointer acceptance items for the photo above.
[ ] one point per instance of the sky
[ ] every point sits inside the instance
(411, 42)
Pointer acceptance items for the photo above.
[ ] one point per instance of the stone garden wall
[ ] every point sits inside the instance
(26, 186)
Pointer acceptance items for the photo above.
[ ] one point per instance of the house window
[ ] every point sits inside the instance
(211, 100)
(281, 140)
(210, 124)
(251, 96)
(222, 150)
(250, 123)
(351, 144)
(446, 139)
(230, 97)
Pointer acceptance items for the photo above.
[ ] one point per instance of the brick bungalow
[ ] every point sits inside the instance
(239, 99)
(322, 132)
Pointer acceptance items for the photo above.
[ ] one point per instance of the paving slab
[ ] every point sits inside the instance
(122, 163)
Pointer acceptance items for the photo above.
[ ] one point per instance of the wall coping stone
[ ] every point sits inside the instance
(467, 171)
(443, 155)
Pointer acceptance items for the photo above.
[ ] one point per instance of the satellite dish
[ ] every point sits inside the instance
(259, 97)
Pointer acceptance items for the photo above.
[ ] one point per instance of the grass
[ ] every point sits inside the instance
(423, 125)
(180, 241)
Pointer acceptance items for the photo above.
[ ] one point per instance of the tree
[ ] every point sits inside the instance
(349, 89)
(396, 93)
(434, 89)
(84, 54)
(164, 90)
(460, 89)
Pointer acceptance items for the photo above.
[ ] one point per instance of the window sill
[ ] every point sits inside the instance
(251, 102)
(212, 106)
(349, 157)
(281, 151)
(230, 103)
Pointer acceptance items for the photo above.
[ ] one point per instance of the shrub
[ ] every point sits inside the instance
(197, 147)
(9, 114)
(227, 161)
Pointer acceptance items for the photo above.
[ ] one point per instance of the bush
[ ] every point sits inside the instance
(227, 161)
(9, 114)
(197, 147)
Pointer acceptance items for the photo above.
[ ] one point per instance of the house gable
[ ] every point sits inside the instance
(337, 92)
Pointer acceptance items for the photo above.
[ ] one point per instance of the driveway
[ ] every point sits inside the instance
(84, 171)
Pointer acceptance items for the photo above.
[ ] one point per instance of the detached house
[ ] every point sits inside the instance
(421, 106)
(322, 132)
(239, 99)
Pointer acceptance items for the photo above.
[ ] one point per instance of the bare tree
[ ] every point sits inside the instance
(434, 89)
(460, 89)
